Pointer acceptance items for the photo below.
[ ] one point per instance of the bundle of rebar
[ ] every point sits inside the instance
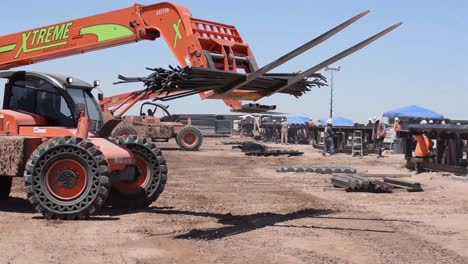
(203, 79)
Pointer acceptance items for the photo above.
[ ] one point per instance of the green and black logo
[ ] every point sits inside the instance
(58, 35)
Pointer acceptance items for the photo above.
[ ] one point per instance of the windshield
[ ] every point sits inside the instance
(92, 108)
(38, 96)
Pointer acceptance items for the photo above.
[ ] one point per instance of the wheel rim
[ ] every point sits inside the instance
(66, 179)
(144, 176)
(189, 138)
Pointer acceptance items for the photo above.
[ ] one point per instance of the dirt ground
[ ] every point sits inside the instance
(220, 206)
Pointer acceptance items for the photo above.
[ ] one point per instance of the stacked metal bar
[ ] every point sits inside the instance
(202, 79)
(356, 183)
(408, 185)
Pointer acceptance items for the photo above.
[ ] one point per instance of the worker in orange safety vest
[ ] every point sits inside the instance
(423, 146)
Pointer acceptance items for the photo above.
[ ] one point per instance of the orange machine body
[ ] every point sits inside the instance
(19, 123)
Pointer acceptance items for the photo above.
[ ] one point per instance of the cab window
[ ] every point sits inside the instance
(39, 97)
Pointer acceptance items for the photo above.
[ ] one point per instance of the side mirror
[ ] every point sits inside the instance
(100, 96)
(80, 107)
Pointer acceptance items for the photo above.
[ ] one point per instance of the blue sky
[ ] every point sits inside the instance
(424, 62)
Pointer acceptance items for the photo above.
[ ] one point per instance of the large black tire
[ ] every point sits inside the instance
(67, 178)
(5, 187)
(147, 188)
(189, 139)
(124, 130)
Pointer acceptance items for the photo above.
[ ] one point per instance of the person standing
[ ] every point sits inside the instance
(379, 132)
(284, 131)
(241, 127)
(424, 147)
(329, 148)
(397, 127)
(265, 128)
(310, 131)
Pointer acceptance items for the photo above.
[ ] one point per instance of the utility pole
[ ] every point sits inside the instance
(332, 70)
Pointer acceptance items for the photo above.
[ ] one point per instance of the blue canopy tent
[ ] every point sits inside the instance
(298, 120)
(413, 111)
(338, 121)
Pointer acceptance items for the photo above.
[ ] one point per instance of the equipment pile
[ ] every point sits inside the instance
(356, 183)
(255, 149)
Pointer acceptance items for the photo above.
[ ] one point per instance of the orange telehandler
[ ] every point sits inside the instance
(54, 133)
(70, 169)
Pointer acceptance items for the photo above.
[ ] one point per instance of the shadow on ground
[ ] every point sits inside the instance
(238, 224)
(22, 206)
(234, 224)
(169, 148)
(16, 205)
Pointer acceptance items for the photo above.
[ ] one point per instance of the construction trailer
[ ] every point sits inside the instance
(450, 149)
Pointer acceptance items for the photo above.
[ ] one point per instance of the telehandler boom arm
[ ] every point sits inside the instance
(194, 42)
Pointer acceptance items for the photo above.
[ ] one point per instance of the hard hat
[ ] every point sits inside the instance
(396, 118)
(431, 121)
(458, 124)
(423, 122)
(443, 122)
(329, 121)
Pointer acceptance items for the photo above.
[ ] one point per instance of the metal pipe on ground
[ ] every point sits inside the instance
(385, 175)
(354, 185)
(340, 181)
(364, 181)
(414, 185)
(382, 187)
